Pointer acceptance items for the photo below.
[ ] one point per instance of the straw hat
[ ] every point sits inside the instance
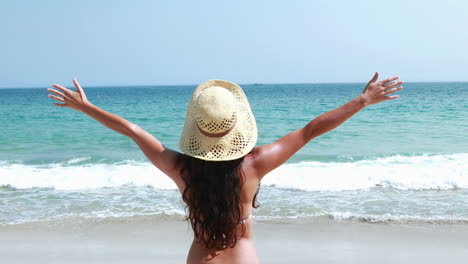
(219, 124)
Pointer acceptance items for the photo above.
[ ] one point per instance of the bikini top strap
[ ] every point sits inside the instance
(246, 219)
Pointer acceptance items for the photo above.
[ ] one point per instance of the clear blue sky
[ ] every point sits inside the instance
(187, 42)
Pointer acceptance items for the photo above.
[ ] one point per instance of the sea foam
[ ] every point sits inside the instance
(88, 176)
(422, 172)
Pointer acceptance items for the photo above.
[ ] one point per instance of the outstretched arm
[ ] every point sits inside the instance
(268, 157)
(163, 158)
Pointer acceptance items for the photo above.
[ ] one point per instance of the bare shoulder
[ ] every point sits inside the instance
(256, 164)
(252, 181)
(249, 164)
(266, 158)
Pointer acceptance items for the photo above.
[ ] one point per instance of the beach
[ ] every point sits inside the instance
(146, 241)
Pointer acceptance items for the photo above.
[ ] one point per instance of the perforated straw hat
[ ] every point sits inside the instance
(219, 124)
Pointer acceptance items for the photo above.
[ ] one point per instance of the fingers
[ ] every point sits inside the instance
(389, 80)
(78, 86)
(55, 92)
(396, 89)
(61, 88)
(79, 89)
(56, 98)
(393, 84)
(391, 97)
(375, 78)
(60, 99)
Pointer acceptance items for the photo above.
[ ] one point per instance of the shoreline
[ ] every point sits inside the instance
(146, 241)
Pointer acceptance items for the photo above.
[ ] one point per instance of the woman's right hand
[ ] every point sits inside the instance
(74, 100)
(376, 92)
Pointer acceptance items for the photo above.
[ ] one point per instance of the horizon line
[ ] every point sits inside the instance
(240, 84)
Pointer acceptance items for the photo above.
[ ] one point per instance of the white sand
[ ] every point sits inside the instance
(145, 241)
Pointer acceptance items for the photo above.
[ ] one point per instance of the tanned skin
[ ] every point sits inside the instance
(256, 165)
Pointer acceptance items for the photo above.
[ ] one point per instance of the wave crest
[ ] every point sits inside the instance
(422, 172)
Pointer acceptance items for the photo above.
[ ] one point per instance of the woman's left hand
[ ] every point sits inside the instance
(74, 100)
(376, 92)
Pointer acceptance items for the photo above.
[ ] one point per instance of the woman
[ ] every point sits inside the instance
(220, 169)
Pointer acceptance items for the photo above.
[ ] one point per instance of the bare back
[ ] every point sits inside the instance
(244, 251)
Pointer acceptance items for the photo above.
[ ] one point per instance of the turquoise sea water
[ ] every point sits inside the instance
(401, 160)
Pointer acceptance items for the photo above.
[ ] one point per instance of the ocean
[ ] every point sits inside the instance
(402, 161)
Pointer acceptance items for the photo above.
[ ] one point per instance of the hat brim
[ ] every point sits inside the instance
(234, 145)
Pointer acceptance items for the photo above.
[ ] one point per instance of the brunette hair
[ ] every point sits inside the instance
(212, 197)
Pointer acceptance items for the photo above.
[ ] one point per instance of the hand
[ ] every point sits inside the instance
(376, 92)
(74, 100)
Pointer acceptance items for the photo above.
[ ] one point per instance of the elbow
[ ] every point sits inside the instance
(311, 131)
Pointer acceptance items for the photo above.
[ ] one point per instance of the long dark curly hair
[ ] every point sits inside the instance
(212, 197)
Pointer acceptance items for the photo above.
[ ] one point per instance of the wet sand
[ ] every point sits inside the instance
(145, 241)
